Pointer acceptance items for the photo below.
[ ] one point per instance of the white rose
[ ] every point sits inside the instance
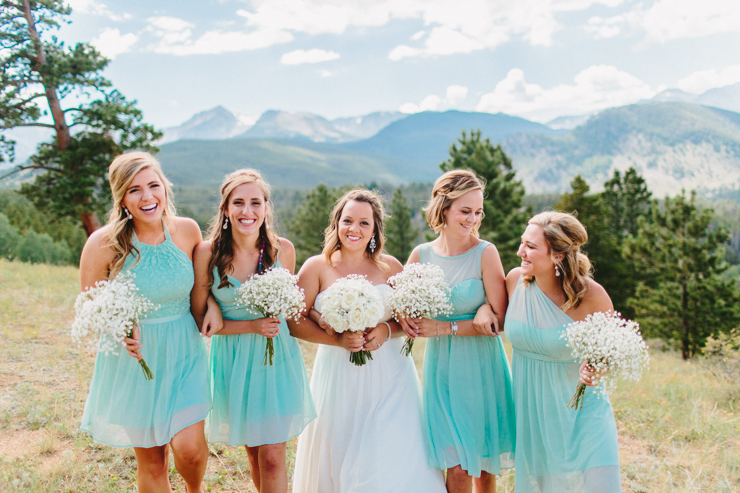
(336, 322)
(373, 314)
(356, 319)
(349, 298)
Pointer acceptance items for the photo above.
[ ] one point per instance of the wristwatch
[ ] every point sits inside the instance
(453, 327)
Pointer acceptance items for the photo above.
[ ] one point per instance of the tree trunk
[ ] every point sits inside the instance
(685, 352)
(90, 222)
(60, 124)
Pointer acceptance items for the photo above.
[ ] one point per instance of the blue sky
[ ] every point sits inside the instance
(533, 58)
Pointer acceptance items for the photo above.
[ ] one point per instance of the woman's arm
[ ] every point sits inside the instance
(494, 282)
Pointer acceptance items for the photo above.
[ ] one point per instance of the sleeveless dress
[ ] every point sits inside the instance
(468, 402)
(559, 450)
(368, 436)
(254, 404)
(124, 409)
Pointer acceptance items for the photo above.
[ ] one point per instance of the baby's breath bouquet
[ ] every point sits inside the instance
(611, 345)
(272, 294)
(352, 304)
(421, 291)
(110, 310)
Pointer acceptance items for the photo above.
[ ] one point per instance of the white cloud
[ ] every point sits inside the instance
(325, 73)
(456, 94)
(93, 7)
(111, 43)
(314, 55)
(702, 81)
(417, 35)
(429, 103)
(595, 88)
(667, 20)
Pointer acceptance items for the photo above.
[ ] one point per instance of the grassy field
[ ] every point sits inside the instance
(679, 428)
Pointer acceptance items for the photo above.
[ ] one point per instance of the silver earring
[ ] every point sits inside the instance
(372, 244)
(226, 222)
(557, 271)
(267, 225)
(127, 213)
(444, 226)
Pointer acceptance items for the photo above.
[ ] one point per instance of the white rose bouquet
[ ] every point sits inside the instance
(421, 290)
(352, 304)
(611, 345)
(110, 310)
(273, 294)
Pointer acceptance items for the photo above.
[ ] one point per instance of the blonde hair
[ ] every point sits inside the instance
(121, 173)
(449, 187)
(222, 247)
(565, 234)
(332, 243)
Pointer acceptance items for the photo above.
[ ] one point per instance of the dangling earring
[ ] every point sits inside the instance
(445, 225)
(267, 225)
(372, 244)
(226, 222)
(557, 271)
(127, 213)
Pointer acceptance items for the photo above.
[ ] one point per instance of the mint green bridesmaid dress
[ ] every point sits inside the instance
(254, 404)
(558, 450)
(468, 402)
(124, 409)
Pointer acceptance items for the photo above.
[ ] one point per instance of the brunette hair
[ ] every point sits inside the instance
(121, 173)
(449, 187)
(565, 234)
(222, 248)
(332, 243)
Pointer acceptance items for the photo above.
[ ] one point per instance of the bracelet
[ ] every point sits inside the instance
(389, 330)
(437, 322)
(453, 328)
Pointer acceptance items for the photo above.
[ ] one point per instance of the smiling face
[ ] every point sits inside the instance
(535, 254)
(464, 214)
(146, 197)
(246, 209)
(356, 225)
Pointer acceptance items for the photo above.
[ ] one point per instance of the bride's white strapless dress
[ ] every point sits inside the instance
(368, 435)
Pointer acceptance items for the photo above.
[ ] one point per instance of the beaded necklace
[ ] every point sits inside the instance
(262, 251)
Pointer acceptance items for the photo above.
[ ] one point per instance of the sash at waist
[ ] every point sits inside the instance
(543, 357)
(161, 320)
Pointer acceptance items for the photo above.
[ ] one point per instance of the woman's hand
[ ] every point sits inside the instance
(266, 327)
(426, 327)
(589, 376)
(132, 343)
(375, 337)
(212, 321)
(321, 321)
(352, 341)
(407, 328)
(485, 322)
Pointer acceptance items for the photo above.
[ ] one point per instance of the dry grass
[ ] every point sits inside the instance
(679, 427)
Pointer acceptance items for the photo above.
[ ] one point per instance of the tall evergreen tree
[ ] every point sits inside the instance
(628, 198)
(92, 121)
(399, 233)
(505, 214)
(683, 296)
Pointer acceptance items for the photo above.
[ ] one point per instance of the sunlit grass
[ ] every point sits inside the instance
(679, 426)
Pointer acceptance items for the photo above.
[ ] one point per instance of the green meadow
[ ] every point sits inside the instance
(679, 427)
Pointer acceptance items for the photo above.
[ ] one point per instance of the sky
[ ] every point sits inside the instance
(538, 59)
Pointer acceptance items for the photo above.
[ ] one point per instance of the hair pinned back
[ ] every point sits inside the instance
(449, 187)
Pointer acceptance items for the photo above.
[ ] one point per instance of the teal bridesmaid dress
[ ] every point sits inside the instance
(468, 402)
(255, 404)
(558, 450)
(124, 409)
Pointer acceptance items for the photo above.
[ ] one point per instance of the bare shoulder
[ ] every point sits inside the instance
(314, 265)
(393, 262)
(512, 279)
(415, 257)
(203, 249)
(490, 255)
(186, 227)
(490, 250)
(596, 298)
(98, 245)
(286, 246)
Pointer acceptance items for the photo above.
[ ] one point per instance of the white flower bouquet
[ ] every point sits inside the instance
(421, 290)
(110, 310)
(352, 304)
(612, 346)
(272, 294)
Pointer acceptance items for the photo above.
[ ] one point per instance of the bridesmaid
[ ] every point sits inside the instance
(468, 403)
(559, 450)
(144, 236)
(255, 405)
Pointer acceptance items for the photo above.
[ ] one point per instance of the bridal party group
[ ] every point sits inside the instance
(361, 428)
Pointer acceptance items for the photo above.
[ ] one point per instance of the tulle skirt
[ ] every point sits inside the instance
(468, 404)
(254, 404)
(368, 436)
(124, 409)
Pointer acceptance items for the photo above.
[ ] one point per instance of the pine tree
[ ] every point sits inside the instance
(683, 296)
(92, 121)
(400, 235)
(628, 198)
(505, 215)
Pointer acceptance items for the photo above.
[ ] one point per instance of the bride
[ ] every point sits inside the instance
(368, 435)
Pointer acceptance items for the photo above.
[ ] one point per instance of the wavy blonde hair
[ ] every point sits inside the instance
(449, 187)
(121, 173)
(332, 243)
(222, 247)
(564, 234)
